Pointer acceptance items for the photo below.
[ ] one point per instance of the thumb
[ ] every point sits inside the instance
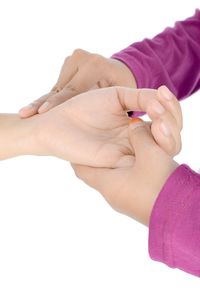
(93, 176)
(140, 138)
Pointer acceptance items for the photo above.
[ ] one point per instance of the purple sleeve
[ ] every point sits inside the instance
(171, 58)
(174, 228)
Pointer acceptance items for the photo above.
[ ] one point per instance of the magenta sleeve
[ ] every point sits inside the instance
(174, 228)
(171, 58)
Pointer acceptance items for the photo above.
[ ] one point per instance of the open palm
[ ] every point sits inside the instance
(92, 128)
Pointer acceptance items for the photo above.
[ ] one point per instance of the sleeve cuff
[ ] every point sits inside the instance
(174, 227)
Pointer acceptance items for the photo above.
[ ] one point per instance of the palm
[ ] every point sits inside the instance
(113, 184)
(91, 129)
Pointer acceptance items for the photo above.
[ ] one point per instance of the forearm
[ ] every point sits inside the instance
(16, 136)
(171, 58)
(174, 224)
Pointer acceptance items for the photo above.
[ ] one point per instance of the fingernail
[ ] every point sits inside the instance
(135, 122)
(44, 107)
(165, 129)
(165, 92)
(23, 111)
(29, 106)
(158, 108)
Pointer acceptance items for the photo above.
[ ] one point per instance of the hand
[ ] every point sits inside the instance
(81, 72)
(133, 190)
(92, 128)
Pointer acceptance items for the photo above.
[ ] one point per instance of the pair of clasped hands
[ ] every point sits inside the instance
(84, 120)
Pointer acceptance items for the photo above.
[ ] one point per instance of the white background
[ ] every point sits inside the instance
(60, 242)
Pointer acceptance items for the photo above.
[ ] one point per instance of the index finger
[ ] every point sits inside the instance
(135, 99)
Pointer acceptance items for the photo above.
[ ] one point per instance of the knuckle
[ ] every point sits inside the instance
(56, 89)
(55, 99)
(66, 59)
(96, 60)
(78, 52)
(72, 88)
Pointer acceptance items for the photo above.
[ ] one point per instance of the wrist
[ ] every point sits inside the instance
(140, 204)
(160, 184)
(17, 136)
(123, 76)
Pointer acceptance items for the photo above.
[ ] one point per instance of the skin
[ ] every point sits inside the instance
(92, 128)
(133, 190)
(82, 71)
(17, 136)
(141, 183)
(150, 146)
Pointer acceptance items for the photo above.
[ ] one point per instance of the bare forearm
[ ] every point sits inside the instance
(16, 136)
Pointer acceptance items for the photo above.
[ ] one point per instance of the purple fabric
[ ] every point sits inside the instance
(172, 58)
(174, 229)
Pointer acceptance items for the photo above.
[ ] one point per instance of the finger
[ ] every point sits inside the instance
(70, 67)
(32, 108)
(166, 135)
(170, 103)
(165, 130)
(136, 100)
(94, 177)
(68, 70)
(158, 102)
(65, 94)
(141, 100)
(86, 78)
(141, 139)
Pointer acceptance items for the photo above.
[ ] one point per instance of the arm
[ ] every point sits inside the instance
(146, 64)
(171, 58)
(82, 71)
(158, 193)
(16, 136)
(70, 132)
(174, 228)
